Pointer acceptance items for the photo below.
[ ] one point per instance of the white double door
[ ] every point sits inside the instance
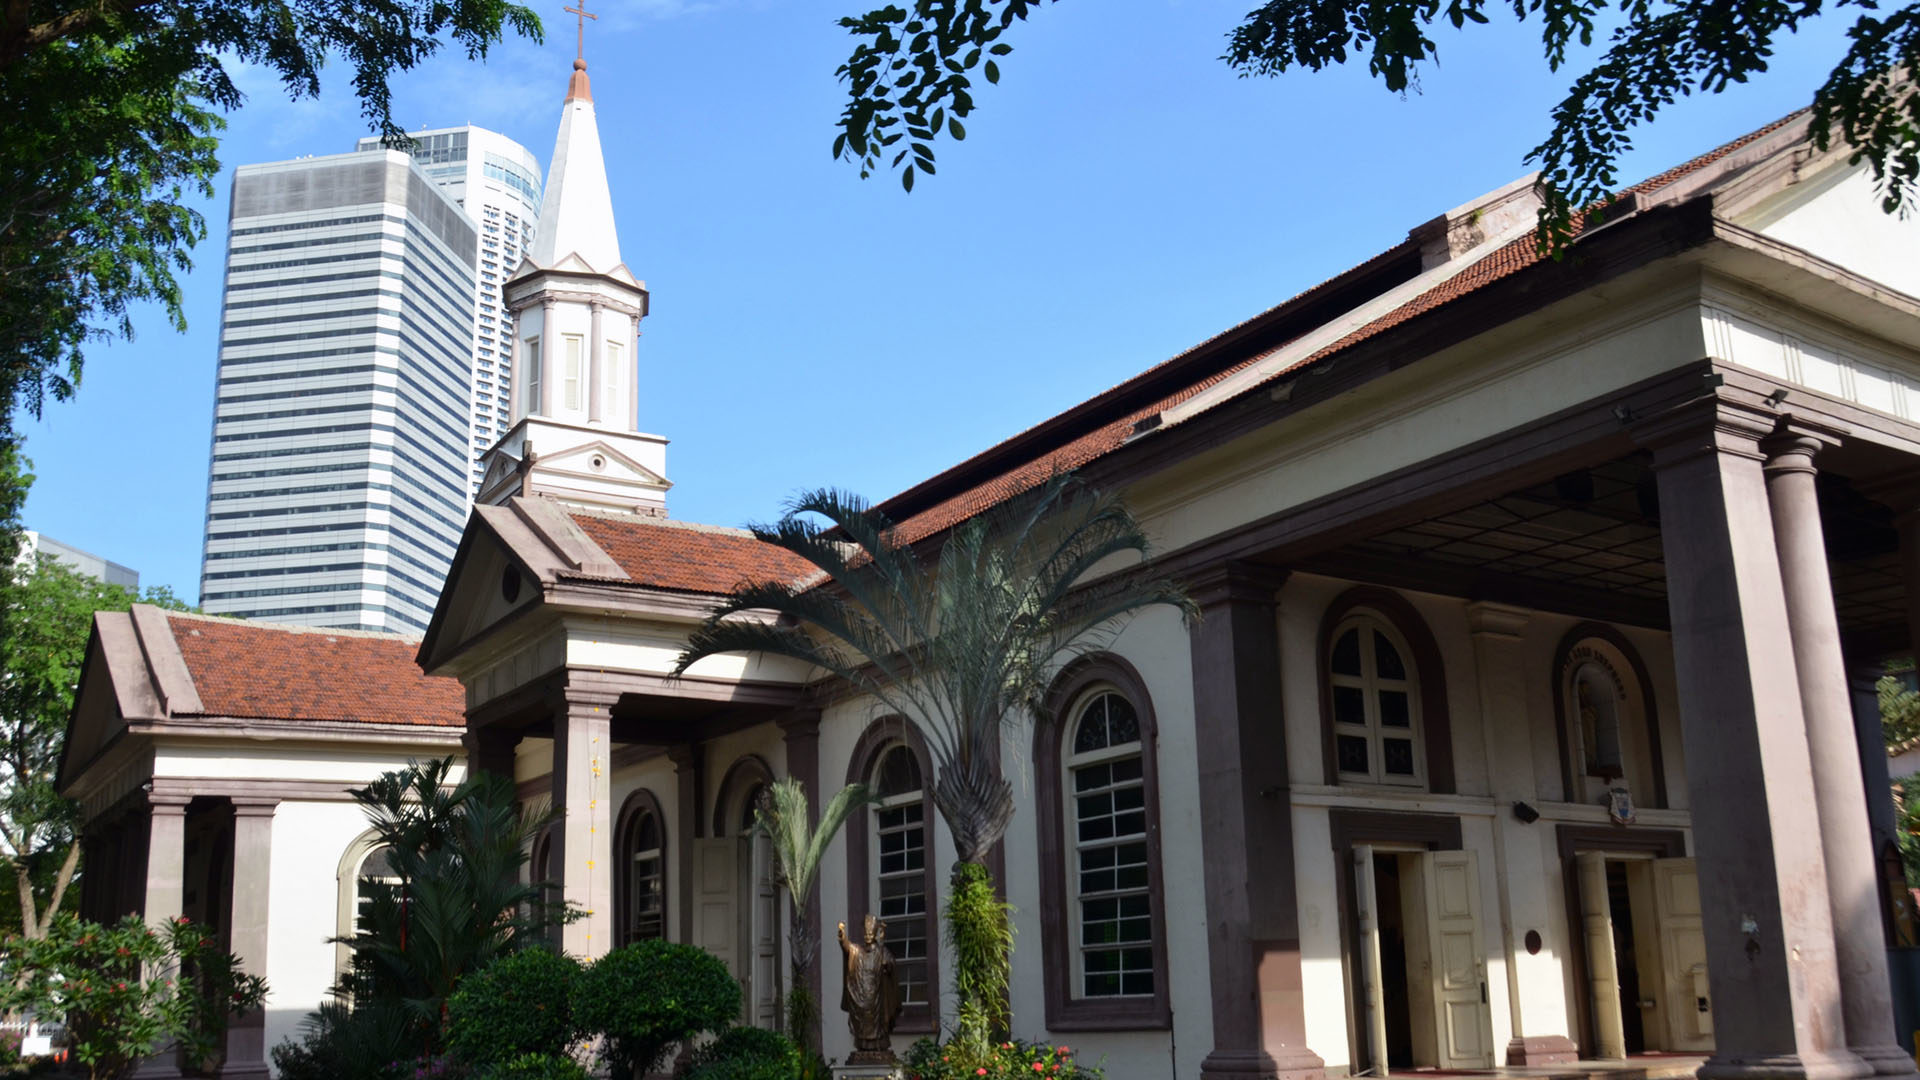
(1432, 914)
(1669, 953)
(739, 906)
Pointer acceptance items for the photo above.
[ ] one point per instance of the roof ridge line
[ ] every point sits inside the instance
(291, 628)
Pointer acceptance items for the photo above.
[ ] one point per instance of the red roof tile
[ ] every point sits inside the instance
(269, 671)
(689, 558)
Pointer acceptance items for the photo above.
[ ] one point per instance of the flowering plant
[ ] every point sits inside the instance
(1016, 1060)
(127, 990)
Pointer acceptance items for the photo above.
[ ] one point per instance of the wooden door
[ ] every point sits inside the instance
(1373, 1006)
(716, 864)
(1603, 969)
(760, 932)
(1463, 1022)
(1683, 955)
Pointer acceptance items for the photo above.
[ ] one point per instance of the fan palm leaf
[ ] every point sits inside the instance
(963, 639)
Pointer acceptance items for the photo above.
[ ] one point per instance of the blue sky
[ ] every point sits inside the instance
(1120, 196)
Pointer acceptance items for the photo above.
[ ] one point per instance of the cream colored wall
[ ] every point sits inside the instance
(1519, 864)
(657, 776)
(309, 839)
(1836, 215)
(346, 763)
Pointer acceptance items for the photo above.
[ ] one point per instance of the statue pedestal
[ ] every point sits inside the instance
(888, 1071)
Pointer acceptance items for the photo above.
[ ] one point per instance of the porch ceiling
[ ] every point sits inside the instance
(1588, 543)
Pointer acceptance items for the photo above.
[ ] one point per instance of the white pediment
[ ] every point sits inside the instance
(598, 460)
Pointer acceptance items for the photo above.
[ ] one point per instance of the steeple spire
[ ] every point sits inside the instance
(576, 216)
(577, 88)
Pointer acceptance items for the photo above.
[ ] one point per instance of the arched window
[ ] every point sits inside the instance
(1375, 702)
(1100, 869)
(1608, 725)
(890, 862)
(1107, 810)
(640, 903)
(364, 868)
(899, 859)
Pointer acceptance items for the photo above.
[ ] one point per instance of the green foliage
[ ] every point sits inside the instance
(113, 112)
(458, 904)
(961, 643)
(514, 1008)
(1015, 1060)
(1899, 711)
(554, 1066)
(46, 618)
(980, 930)
(783, 816)
(92, 975)
(910, 75)
(649, 996)
(747, 1053)
(378, 1040)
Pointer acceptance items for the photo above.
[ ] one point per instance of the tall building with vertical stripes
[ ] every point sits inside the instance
(497, 181)
(344, 411)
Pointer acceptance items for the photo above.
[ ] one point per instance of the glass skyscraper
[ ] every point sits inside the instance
(344, 420)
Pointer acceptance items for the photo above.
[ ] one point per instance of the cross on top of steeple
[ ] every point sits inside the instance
(581, 56)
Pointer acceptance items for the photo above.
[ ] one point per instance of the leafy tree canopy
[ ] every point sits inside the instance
(113, 109)
(46, 616)
(910, 76)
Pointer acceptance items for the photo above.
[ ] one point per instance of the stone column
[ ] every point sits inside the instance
(801, 730)
(596, 356)
(551, 363)
(687, 761)
(1769, 931)
(1536, 994)
(166, 858)
(1246, 830)
(1852, 883)
(247, 934)
(583, 837)
(490, 750)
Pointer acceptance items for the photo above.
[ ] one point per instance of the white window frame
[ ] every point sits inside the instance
(530, 360)
(611, 381)
(659, 876)
(1370, 683)
(876, 860)
(1070, 762)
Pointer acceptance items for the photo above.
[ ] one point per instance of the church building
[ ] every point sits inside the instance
(1519, 726)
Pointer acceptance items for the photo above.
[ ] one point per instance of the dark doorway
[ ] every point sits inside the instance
(1626, 959)
(1393, 962)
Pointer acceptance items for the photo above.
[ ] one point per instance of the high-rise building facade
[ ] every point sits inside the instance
(497, 181)
(343, 419)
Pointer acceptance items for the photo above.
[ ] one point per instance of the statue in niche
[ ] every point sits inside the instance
(870, 995)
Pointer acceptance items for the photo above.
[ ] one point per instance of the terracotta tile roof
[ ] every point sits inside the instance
(1089, 445)
(674, 555)
(270, 671)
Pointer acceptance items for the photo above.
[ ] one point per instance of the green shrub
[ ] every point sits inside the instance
(980, 929)
(377, 1041)
(92, 975)
(534, 1067)
(957, 1060)
(746, 1053)
(650, 995)
(516, 1007)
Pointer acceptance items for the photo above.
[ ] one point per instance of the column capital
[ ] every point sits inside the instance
(1795, 443)
(168, 802)
(1705, 425)
(685, 757)
(1487, 618)
(798, 724)
(1232, 580)
(254, 806)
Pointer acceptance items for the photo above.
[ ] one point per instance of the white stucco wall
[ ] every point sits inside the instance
(1836, 215)
(309, 840)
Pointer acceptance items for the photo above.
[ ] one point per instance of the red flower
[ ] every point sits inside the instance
(120, 986)
(1037, 1067)
(980, 1072)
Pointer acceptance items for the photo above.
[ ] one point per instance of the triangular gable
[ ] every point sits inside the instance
(577, 461)
(507, 556)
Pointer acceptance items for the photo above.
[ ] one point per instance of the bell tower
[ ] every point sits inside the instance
(576, 310)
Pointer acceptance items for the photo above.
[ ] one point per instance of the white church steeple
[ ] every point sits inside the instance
(577, 311)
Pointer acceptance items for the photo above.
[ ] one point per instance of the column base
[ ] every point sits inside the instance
(1817, 1065)
(1886, 1060)
(1300, 1064)
(244, 1070)
(1542, 1050)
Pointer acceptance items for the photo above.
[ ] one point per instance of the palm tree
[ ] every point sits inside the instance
(797, 850)
(962, 639)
